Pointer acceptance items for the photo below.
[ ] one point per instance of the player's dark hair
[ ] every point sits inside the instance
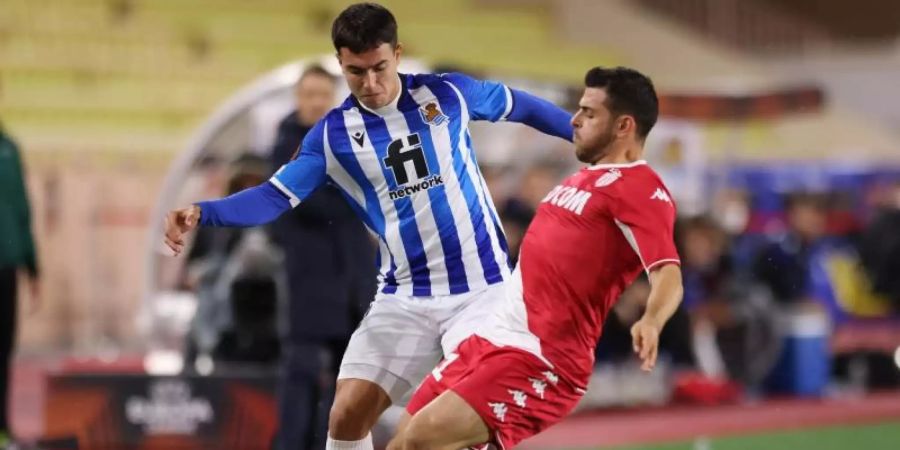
(316, 70)
(627, 92)
(362, 27)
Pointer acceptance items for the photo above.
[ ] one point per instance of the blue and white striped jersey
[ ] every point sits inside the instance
(410, 172)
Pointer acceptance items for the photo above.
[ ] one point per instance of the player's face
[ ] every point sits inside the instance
(372, 75)
(594, 126)
(315, 96)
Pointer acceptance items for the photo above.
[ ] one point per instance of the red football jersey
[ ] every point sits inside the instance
(592, 235)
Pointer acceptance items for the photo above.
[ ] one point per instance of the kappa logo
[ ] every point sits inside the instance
(432, 115)
(499, 409)
(551, 377)
(608, 178)
(519, 397)
(661, 195)
(539, 386)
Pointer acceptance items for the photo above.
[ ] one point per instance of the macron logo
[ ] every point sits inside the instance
(661, 195)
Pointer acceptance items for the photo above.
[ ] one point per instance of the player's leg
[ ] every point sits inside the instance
(447, 423)
(391, 352)
(503, 396)
(398, 432)
(357, 405)
(429, 390)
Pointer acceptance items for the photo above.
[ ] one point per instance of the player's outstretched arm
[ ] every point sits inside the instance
(254, 206)
(490, 100)
(250, 207)
(665, 296)
(177, 223)
(540, 114)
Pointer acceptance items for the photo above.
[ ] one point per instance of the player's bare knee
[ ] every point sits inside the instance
(356, 408)
(347, 422)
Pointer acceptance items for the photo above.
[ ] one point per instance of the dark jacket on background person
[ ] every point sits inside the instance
(16, 241)
(330, 269)
(329, 258)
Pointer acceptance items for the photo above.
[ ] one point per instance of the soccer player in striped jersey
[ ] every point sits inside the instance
(399, 150)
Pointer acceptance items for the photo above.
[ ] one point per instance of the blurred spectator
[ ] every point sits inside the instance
(16, 252)
(674, 342)
(783, 265)
(235, 272)
(329, 260)
(515, 215)
(517, 210)
(537, 181)
(880, 248)
(735, 332)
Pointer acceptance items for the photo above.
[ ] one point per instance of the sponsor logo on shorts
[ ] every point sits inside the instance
(499, 410)
(539, 386)
(519, 397)
(551, 377)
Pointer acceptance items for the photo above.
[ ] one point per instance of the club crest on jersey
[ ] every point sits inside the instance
(608, 178)
(432, 115)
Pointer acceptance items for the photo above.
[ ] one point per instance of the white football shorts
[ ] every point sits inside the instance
(402, 338)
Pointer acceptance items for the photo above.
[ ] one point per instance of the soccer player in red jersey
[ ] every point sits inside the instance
(528, 366)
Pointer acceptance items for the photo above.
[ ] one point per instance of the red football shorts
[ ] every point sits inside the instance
(515, 393)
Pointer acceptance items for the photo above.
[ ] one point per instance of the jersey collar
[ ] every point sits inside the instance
(639, 162)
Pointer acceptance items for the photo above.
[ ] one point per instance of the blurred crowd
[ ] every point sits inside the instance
(769, 297)
(800, 300)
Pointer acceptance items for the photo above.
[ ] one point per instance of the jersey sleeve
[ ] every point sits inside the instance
(645, 214)
(305, 172)
(486, 100)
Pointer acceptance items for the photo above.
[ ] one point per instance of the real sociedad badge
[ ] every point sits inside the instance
(432, 115)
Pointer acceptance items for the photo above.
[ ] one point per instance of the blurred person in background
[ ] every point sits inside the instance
(330, 279)
(517, 209)
(731, 210)
(734, 329)
(674, 341)
(515, 216)
(784, 263)
(235, 273)
(880, 247)
(17, 252)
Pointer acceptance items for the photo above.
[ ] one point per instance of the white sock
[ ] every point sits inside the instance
(362, 444)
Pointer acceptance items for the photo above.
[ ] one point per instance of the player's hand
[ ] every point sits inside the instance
(645, 341)
(178, 223)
